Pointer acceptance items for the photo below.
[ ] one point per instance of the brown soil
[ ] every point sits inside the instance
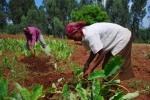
(44, 65)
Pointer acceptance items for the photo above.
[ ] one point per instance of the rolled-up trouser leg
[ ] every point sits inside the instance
(42, 41)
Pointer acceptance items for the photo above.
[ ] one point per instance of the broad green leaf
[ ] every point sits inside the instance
(95, 89)
(66, 91)
(74, 67)
(18, 87)
(130, 96)
(49, 90)
(111, 82)
(27, 53)
(37, 92)
(73, 96)
(78, 72)
(16, 95)
(3, 88)
(97, 74)
(99, 98)
(117, 96)
(112, 66)
(24, 92)
(81, 91)
(10, 98)
(104, 91)
(54, 86)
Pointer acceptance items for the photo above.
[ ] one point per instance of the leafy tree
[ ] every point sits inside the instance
(23, 21)
(61, 9)
(123, 5)
(144, 36)
(99, 1)
(3, 9)
(90, 14)
(58, 28)
(2, 20)
(148, 35)
(50, 6)
(116, 9)
(43, 19)
(12, 29)
(83, 2)
(138, 11)
(18, 8)
(32, 17)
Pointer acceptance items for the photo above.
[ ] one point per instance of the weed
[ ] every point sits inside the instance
(146, 86)
(134, 84)
(62, 69)
(135, 64)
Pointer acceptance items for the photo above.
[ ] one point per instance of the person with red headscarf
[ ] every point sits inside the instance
(104, 40)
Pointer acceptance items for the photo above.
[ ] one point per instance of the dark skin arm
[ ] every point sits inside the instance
(90, 59)
(100, 57)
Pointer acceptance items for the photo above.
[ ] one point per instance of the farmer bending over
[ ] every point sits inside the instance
(104, 40)
(34, 34)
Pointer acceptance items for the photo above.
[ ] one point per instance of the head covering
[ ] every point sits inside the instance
(25, 29)
(73, 27)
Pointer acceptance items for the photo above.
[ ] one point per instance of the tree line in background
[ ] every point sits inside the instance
(53, 15)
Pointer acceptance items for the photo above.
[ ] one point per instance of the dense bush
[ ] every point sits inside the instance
(13, 29)
(58, 28)
(90, 14)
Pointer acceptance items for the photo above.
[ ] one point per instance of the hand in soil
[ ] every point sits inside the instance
(32, 51)
(32, 54)
(87, 73)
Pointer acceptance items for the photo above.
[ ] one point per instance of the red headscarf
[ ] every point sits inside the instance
(73, 27)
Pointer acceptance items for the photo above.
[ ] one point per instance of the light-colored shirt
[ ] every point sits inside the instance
(107, 36)
(33, 35)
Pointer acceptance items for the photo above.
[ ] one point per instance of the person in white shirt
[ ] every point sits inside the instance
(104, 40)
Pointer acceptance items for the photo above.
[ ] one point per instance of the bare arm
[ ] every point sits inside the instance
(90, 59)
(101, 55)
(27, 38)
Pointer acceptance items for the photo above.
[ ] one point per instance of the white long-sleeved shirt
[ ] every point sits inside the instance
(108, 36)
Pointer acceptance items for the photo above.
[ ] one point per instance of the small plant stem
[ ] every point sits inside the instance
(122, 87)
(119, 86)
(112, 90)
(115, 76)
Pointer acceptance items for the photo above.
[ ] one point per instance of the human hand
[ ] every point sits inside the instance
(31, 47)
(32, 50)
(86, 66)
(87, 73)
(32, 53)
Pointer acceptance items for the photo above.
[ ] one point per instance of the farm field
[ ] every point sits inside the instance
(43, 70)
